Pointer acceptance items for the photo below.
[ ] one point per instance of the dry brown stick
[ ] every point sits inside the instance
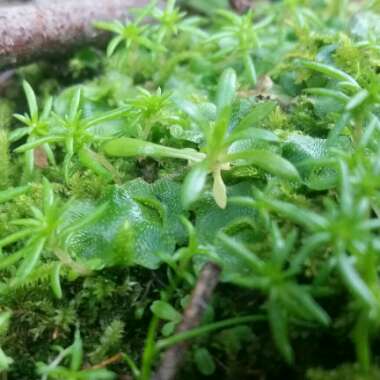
(112, 360)
(39, 30)
(240, 6)
(5, 79)
(201, 296)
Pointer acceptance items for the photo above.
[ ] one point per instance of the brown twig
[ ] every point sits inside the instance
(240, 6)
(173, 357)
(38, 30)
(112, 360)
(5, 80)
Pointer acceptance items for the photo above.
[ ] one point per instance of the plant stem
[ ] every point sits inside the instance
(198, 331)
(207, 281)
(30, 32)
(149, 350)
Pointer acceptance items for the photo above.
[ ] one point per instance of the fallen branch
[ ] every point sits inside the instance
(5, 79)
(112, 360)
(34, 31)
(240, 6)
(173, 357)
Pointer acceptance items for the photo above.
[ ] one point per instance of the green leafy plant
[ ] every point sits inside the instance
(239, 37)
(55, 369)
(36, 126)
(46, 230)
(216, 155)
(286, 298)
(358, 103)
(347, 227)
(72, 130)
(133, 33)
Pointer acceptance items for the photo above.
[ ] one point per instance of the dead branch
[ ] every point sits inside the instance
(5, 79)
(202, 293)
(112, 360)
(38, 30)
(240, 6)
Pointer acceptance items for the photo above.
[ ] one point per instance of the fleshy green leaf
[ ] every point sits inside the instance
(204, 361)
(268, 161)
(256, 115)
(32, 257)
(5, 361)
(279, 326)
(226, 90)
(128, 147)
(55, 280)
(165, 311)
(194, 183)
(254, 134)
(353, 280)
(330, 71)
(357, 100)
(250, 69)
(31, 99)
(76, 352)
(12, 193)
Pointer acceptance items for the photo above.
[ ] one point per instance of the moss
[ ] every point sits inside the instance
(345, 372)
(6, 112)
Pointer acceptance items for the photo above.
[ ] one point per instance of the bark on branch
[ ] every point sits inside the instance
(202, 293)
(34, 31)
(240, 6)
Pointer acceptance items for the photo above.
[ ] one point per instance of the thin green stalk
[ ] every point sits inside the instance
(89, 159)
(132, 365)
(250, 69)
(11, 193)
(129, 147)
(186, 335)
(107, 116)
(16, 236)
(149, 350)
(362, 343)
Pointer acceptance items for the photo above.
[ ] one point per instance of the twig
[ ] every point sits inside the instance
(112, 360)
(38, 30)
(173, 357)
(240, 6)
(5, 79)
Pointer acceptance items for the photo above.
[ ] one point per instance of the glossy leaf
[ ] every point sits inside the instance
(254, 134)
(226, 90)
(55, 280)
(353, 281)
(165, 311)
(194, 184)
(31, 99)
(258, 113)
(330, 71)
(250, 69)
(128, 147)
(76, 352)
(12, 193)
(204, 361)
(279, 326)
(33, 255)
(268, 161)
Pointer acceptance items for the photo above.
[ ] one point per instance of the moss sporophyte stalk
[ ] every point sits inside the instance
(198, 136)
